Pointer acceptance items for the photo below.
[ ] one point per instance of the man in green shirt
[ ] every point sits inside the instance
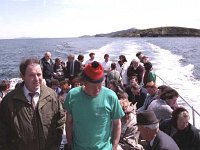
(93, 113)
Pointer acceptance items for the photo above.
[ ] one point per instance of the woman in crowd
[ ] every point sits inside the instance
(164, 106)
(58, 70)
(185, 135)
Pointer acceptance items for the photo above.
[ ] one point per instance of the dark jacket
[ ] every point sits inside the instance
(139, 72)
(163, 141)
(187, 139)
(137, 98)
(23, 128)
(47, 68)
(77, 69)
(58, 72)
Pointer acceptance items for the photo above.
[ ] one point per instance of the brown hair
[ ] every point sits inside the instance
(162, 88)
(25, 63)
(66, 81)
(135, 87)
(80, 57)
(57, 59)
(176, 113)
(169, 94)
(92, 53)
(4, 85)
(122, 95)
(138, 54)
(106, 55)
(113, 66)
(123, 58)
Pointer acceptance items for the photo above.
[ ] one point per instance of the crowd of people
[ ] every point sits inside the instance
(102, 106)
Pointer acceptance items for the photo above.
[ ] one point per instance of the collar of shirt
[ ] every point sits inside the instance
(49, 61)
(173, 131)
(151, 142)
(35, 98)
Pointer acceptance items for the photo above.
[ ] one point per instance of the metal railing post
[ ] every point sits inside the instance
(193, 116)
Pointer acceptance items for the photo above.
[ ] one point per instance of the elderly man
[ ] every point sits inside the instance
(31, 116)
(47, 67)
(136, 69)
(73, 68)
(148, 125)
(93, 113)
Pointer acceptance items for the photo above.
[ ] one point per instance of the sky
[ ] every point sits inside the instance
(73, 18)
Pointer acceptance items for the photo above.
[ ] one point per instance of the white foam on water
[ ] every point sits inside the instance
(166, 65)
(14, 81)
(178, 76)
(114, 49)
(99, 53)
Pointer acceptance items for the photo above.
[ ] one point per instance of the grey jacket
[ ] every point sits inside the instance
(163, 142)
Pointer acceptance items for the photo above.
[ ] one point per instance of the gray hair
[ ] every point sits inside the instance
(70, 55)
(152, 126)
(47, 54)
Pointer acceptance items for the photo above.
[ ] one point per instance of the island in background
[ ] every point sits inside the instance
(155, 32)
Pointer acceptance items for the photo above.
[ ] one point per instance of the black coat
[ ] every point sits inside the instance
(163, 141)
(139, 72)
(137, 98)
(47, 68)
(77, 69)
(187, 139)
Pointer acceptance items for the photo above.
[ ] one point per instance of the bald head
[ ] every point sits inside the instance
(47, 55)
(135, 63)
(70, 57)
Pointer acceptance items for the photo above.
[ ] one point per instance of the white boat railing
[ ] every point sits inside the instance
(194, 111)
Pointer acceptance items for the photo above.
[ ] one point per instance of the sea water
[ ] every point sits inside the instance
(175, 60)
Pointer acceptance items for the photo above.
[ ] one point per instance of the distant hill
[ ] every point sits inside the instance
(85, 36)
(117, 33)
(155, 32)
(24, 38)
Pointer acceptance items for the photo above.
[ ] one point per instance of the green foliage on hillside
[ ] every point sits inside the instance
(155, 32)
